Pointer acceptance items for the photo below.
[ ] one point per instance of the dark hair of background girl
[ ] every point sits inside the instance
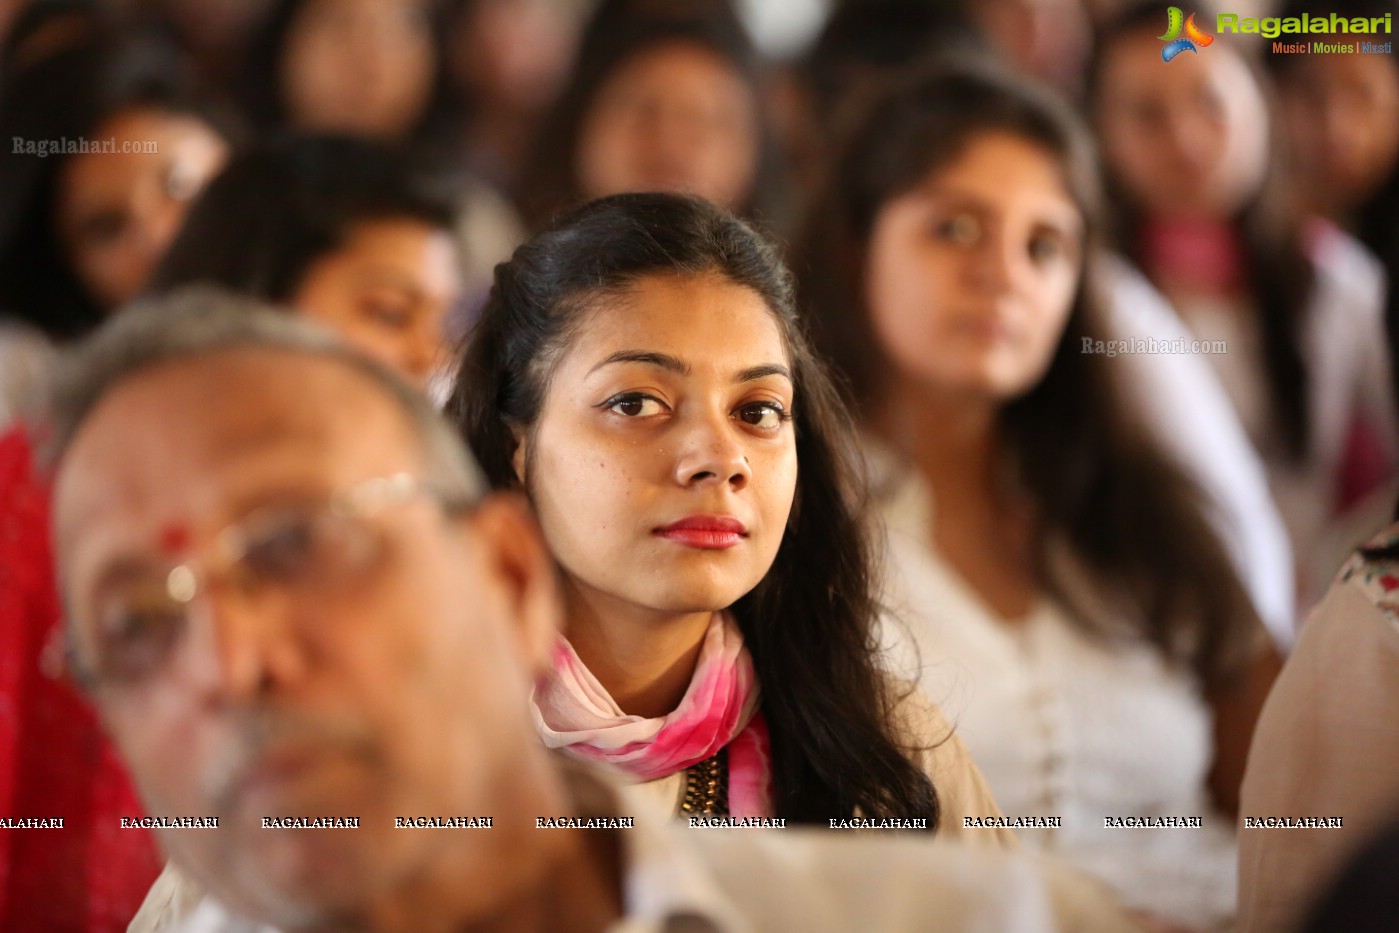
(277, 208)
(1277, 269)
(809, 623)
(1096, 479)
(867, 40)
(100, 70)
(263, 97)
(619, 31)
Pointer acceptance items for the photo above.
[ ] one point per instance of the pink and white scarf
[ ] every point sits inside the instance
(573, 711)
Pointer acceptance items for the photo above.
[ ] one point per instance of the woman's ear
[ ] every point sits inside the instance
(505, 526)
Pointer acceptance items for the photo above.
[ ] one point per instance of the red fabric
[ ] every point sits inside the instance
(91, 875)
(1204, 254)
(1365, 466)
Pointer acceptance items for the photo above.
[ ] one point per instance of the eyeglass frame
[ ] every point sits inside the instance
(186, 581)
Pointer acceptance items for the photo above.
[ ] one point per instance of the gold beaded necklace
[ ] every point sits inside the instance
(707, 787)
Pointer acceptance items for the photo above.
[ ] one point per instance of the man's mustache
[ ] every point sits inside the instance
(260, 735)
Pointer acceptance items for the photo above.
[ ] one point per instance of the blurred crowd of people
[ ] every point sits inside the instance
(1087, 359)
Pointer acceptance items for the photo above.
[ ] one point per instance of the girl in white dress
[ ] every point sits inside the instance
(1068, 603)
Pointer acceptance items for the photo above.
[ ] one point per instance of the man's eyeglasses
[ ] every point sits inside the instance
(306, 551)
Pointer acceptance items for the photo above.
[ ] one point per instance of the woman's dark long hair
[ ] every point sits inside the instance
(619, 31)
(101, 70)
(1129, 514)
(1279, 273)
(866, 41)
(277, 208)
(809, 623)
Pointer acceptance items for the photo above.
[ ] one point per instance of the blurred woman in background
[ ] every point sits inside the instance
(1065, 597)
(508, 62)
(80, 231)
(660, 99)
(1297, 303)
(1340, 121)
(373, 68)
(1340, 117)
(342, 230)
(379, 69)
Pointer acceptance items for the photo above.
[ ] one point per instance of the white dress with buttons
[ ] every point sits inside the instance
(1063, 724)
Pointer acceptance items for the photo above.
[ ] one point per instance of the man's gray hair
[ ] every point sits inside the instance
(203, 321)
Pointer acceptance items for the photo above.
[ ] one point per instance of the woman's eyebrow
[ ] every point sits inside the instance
(663, 360)
(680, 367)
(1071, 226)
(942, 191)
(768, 369)
(392, 276)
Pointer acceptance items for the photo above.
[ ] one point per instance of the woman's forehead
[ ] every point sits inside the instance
(707, 317)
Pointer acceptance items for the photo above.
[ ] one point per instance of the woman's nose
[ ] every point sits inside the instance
(714, 452)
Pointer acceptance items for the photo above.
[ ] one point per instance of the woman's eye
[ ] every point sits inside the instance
(635, 406)
(1044, 248)
(103, 228)
(767, 415)
(1147, 112)
(390, 315)
(963, 229)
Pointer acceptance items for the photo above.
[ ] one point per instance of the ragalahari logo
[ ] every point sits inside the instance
(1175, 42)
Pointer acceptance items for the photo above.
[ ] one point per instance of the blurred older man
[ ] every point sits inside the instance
(310, 632)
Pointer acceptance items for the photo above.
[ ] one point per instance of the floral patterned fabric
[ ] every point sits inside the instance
(1374, 568)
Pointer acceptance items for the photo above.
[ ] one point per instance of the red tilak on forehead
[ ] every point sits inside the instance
(174, 537)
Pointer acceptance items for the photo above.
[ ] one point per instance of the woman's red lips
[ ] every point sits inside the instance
(712, 532)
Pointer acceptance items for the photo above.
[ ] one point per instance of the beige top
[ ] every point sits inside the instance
(1326, 746)
(962, 790)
